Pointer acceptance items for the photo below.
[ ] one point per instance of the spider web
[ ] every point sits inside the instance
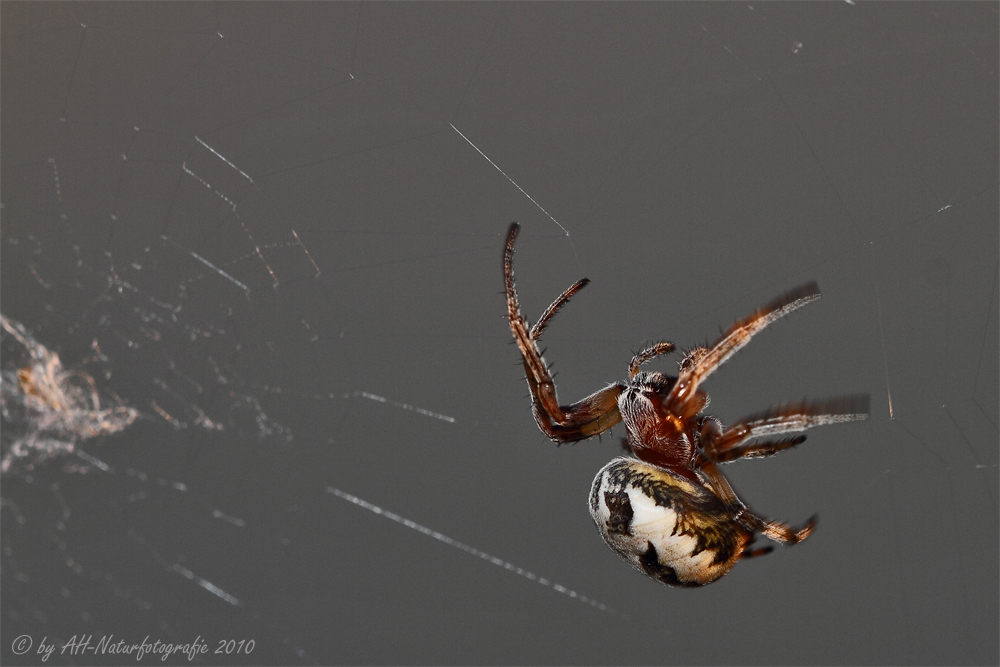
(251, 257)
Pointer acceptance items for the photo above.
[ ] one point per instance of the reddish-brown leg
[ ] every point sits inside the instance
(704, 361)
(591, 416)
(648, 354)
(773, 530)
(729, 444)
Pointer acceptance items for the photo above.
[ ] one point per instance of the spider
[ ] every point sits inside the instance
(669, 511)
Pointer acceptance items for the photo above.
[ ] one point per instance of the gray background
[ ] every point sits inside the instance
(703, 157)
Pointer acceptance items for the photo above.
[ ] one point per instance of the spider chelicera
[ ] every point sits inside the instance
(670, 512)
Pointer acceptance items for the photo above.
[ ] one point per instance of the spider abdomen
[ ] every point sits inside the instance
(665, 525)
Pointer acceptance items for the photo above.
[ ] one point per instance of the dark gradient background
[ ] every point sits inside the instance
(704, 158)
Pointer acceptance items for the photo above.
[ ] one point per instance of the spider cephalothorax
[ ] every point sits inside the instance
(671, 513)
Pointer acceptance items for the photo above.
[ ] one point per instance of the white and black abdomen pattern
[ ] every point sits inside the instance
(665, 525)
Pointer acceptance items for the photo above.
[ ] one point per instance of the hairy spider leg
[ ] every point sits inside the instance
(773, 530)
(702, 362)
(543, 321)
(648, 354)
(758, 449)
(728, 445)
(591, 416)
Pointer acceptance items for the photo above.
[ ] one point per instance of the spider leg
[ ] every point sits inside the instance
(702, 362)
(543, 321)
(648, 354)
(750, 552)
(591, 416)
(729, 445)
(773, 530)
(754, 553)
(758, 449)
